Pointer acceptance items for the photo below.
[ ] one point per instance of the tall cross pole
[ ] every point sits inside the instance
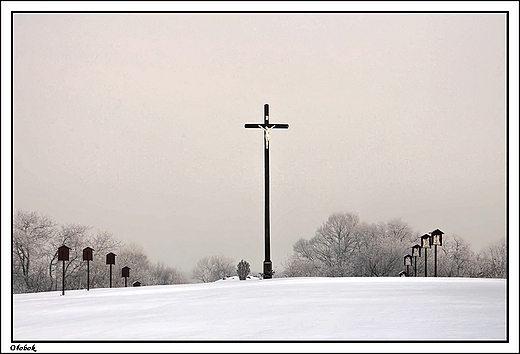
(266, 126)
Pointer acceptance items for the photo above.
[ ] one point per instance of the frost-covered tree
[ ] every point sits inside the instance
(335, 244)
(74, 236)
(103, 242)
(134, 257)
(165, 275)
(31, 233)
(492, 261)
(212, 268)
(332, 250)
(303, 262)
(455, 258)
(345, 246)
(381, 248)
(36, 239)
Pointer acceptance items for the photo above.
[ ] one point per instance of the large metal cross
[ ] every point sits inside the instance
(266, 126)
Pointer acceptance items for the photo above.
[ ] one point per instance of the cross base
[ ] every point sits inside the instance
(268, 270)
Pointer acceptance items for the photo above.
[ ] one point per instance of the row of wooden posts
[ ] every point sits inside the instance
(434, 238)
(63, 255)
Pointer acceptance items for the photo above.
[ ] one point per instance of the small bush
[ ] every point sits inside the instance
(243, 269)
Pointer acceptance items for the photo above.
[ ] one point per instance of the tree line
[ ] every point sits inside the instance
(343, 246)
(35, 266)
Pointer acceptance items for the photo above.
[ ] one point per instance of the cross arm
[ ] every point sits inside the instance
(270, 125)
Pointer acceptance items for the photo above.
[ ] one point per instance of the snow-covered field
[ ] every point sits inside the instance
(280, 309)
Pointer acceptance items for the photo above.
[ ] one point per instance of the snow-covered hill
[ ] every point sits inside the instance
(288, 309)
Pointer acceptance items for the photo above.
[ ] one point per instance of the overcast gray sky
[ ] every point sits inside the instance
(134, 123)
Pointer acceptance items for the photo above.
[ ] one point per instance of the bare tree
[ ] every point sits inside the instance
(492, 261)
(212, 268)
(165, 275)
(303, 262)
(400, 231)
(335, 243)
(345, 246)
(381, 247)
(301, 267)
(36, 239)
(456, 259)
(372, 258)
(74, 236)
(331, 252)
(103, 242)
(134, 257)
(31, 232)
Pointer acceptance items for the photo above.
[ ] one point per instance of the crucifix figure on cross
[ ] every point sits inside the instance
(266, 127)
(266, 134)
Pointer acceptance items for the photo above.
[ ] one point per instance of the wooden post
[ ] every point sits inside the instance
(63, 280)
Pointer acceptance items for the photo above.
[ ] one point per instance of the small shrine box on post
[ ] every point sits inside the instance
(63, 255)
(436, 240)
(111, 259)
(125, 273)
(87, 254)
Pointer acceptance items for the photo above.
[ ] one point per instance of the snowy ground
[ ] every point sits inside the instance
(280, 309)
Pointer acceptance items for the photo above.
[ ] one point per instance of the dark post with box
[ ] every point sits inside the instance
(426, 242)
(407, 263)
(111, 259)
(63, 255)
(436, 241)
(416, 252)
(125, 273)
(87, 256)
